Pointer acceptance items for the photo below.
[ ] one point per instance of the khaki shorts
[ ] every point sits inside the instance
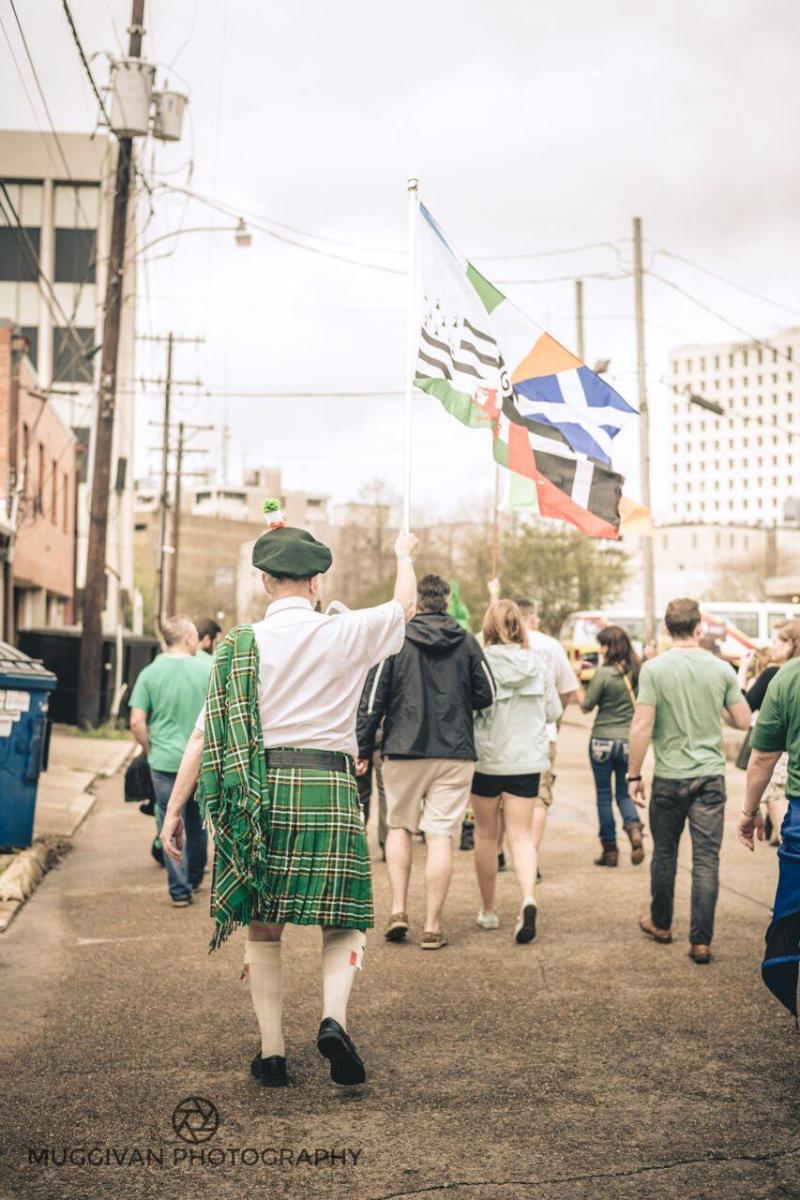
(427, 794)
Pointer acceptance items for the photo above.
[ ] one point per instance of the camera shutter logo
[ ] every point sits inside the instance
(195, 1120)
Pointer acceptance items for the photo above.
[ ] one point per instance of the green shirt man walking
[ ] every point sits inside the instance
(684, 694)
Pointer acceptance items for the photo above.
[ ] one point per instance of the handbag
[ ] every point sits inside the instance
(746, 749)
(139, 782)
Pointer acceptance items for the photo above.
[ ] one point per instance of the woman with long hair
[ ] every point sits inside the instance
(612, 691)
(513, 750)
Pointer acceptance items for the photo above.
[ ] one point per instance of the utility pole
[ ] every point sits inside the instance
(648, 563)
(163, 549)
(172, 603)
(496, 523)
(94, 596)
(162, 540)
(579, 345)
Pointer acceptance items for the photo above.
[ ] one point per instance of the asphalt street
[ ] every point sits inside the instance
(590, 1064)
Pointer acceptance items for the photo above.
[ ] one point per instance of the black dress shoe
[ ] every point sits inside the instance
(270, 1072)
(335, 1044)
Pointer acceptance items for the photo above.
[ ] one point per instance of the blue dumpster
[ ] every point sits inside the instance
(25, 687)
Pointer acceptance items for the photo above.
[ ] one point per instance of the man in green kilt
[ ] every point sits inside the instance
(272, 758)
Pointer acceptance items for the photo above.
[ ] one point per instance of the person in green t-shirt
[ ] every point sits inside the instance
(684, 694)
(612, 691)
(776, 731)
(165, 704)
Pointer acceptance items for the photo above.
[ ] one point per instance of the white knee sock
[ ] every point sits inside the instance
(342, 956)
(264, 972)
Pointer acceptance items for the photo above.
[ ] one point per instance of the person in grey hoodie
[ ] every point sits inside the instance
(513, 751)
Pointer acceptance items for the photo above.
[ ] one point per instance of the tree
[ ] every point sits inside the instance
(738, 579)
(559, 567)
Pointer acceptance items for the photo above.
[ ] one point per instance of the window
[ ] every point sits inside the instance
(31, 332)
(71, 364)
(702, 364)
(716, 362)
(674, 365)
(744, 359)
(40, 480)
(717, 539)
(19, 254)
(745, 381)
(789, 353)
(54, 492)
(760, 357)
(76, 254)
(730, 360)
(26, 450)
(65, 510)
(689, 364)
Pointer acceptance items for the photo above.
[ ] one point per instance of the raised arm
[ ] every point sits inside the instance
(405, 587)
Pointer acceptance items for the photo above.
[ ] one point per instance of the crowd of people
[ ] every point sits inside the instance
(300, 720)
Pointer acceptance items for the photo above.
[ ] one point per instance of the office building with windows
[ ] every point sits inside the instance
(62, 192)
(741, 467)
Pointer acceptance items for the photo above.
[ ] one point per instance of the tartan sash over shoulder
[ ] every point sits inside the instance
(232, 790)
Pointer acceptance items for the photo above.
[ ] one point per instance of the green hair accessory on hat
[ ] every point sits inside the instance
(274, 513)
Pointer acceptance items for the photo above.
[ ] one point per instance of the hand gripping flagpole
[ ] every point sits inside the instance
(412, 334)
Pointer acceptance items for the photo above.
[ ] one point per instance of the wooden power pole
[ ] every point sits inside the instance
(648, 562)
(94, 596)
(180, 453)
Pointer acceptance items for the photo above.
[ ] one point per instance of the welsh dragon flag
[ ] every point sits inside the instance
(553, 419)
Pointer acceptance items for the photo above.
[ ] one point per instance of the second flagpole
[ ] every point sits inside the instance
(411, 346)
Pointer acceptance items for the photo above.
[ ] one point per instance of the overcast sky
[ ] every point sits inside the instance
(532, 128)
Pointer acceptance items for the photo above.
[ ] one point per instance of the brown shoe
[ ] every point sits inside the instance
(662, 936)
(397, 928)
(609, 857)
(433, 941)
(700, 954)
(634, 833)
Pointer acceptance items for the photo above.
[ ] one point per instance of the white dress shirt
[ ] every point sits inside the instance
(313, 668)
(558, 667)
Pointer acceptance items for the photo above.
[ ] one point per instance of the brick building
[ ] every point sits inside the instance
(38, 495)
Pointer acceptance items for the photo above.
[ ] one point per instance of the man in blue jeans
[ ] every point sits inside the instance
(166, 701)
(684, 694)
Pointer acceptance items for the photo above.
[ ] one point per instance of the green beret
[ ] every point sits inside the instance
(292, 552)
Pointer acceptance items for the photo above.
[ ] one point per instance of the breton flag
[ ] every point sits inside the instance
(553, 419)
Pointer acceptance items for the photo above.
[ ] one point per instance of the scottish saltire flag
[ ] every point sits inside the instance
(553, 419)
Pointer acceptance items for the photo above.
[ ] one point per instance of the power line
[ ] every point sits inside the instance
(764, 345)
(724, 279)
(551, 253)
(571, 278)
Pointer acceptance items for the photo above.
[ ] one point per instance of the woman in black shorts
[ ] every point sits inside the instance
(511, 739)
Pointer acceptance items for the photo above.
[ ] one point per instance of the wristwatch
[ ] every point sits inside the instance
(404, 557)
(633, 778)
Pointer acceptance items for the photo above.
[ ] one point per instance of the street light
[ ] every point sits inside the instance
(242, 235)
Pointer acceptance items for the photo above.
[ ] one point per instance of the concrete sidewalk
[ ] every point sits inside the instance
(64, 797)
(591, 1065)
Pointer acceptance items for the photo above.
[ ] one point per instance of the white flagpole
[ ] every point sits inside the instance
(412, 334)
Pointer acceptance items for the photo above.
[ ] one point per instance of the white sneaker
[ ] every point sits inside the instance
(525, 929)
(487, 920)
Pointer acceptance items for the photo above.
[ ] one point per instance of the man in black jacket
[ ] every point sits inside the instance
(425, 696)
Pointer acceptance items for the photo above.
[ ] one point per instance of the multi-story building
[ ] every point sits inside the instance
(219, 524)
(65, 210)
(37, 451)
(742, 467)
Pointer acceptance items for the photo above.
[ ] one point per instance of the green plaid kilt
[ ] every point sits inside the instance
(318, 869)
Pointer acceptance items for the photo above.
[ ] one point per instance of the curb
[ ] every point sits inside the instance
(28, 868)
